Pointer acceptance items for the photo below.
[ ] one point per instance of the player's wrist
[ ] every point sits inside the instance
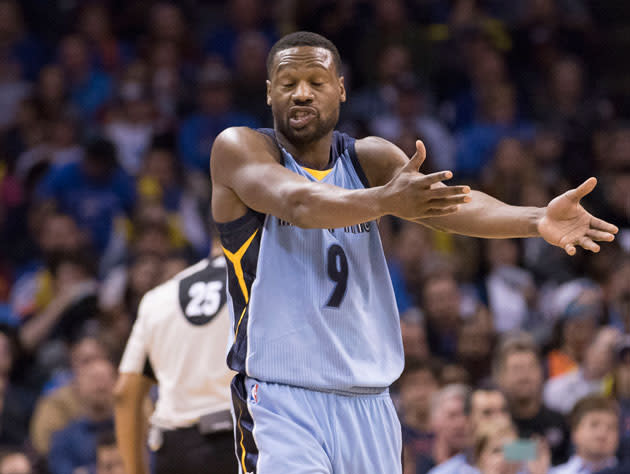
(535, 218)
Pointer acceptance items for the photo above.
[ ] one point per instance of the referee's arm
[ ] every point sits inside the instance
(131, 424)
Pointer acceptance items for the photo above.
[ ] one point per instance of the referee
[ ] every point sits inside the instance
(179, 342)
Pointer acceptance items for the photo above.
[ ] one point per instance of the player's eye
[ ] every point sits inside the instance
(317, 83)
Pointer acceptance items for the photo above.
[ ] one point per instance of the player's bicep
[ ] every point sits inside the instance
(246, 165)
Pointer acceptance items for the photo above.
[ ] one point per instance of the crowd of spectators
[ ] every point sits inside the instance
(108, 110)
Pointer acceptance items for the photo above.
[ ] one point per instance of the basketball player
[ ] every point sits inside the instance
(316, 333)
(179, 341)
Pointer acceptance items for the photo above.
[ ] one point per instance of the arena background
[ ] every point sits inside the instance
(522, 99)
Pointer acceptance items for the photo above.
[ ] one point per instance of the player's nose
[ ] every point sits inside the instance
(302, 93)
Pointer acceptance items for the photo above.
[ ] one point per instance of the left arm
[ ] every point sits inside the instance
(563, 223)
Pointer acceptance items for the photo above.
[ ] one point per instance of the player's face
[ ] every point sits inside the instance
(304, 92)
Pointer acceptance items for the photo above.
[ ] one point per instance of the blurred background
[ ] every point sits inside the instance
(108, 111)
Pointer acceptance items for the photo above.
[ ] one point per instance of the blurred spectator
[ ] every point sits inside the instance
(487, 405)
(498, 119)
(132, 125)
(95, 192)
(475, 345)
(15, 462)
(107, 52)
(63, 405)
(244, 17)
(89, 88)
(511, 289)
(445, 309)
(491, 438)
(16, 404)
(75, 445)
(55, 233)
(578, 309)
(562, 392)
(65, 316)
(161, 180)
(250, 74)
(621, 391)
(414, 335)
(595, 434)
(417, 386)
(410, 115)
(21, 51)
(452, 431)
(216, 112)
(519, 374)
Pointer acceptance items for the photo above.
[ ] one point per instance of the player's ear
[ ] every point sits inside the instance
(342, 89)
(268, 92)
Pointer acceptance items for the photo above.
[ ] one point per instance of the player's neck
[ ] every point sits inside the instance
(315, 155)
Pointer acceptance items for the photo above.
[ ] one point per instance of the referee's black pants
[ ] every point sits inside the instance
(186, 451)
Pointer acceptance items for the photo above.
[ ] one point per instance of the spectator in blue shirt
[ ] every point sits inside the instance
(95, 192)
(197, 133)
(75, 446)
(89, 88)
(499, 119)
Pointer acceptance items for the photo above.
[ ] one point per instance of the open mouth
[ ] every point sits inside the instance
(300, 117)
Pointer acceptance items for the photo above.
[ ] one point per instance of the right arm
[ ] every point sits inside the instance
(131, 426)
(245, 170)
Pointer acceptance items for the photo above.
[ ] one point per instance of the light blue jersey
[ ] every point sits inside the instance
(313, 308)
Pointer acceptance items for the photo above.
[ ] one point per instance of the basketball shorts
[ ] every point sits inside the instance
(280, 429)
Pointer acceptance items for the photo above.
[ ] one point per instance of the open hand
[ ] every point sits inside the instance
(567, 224)
(412, 195)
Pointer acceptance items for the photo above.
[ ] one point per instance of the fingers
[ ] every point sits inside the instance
(588, 244)
(603, 225)
(418, 157)
(582, 190)
(450, 201)
(447, 191)
(569, 249)
(445, 211)
(430, 179)
(600, 236)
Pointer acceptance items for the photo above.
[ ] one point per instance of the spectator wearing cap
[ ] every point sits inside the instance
(519, 374)
(562, 392)
(595, 434)
(578, 309)
(96, 192)
(216, 113)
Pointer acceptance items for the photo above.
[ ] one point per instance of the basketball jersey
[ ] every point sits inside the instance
(312, 308)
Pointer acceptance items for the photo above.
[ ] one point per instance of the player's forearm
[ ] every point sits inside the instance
(322, 206)
(487, 217)
(130, 434)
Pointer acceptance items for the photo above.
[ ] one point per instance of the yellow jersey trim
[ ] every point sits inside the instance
(236, 258)
(317, 174)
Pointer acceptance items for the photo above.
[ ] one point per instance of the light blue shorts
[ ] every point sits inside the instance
(280, 429)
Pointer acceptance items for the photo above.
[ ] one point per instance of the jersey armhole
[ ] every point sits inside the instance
(355, 162)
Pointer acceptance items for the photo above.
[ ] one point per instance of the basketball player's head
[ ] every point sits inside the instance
(304, 86)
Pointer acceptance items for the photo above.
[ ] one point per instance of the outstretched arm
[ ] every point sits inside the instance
(563, 222)
(246, 173)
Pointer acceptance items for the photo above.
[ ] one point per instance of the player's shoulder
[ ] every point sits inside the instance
(235, 139)
(379, 158)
